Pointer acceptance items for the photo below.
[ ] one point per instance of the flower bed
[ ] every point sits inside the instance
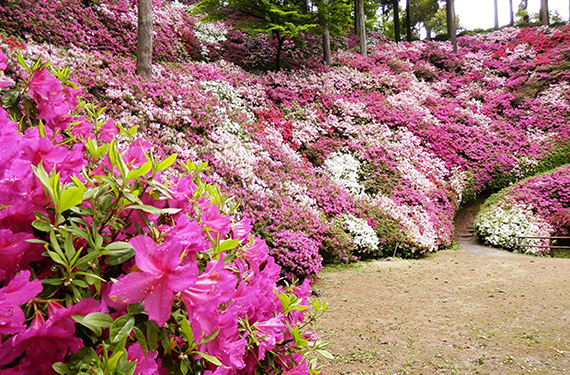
(397, 139)
(117, 260)
(527, 208)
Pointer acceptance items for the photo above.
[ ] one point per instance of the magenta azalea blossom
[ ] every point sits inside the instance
(47, 342)
(146, 365)
(160, 278)
(2, 61)
(17, 292)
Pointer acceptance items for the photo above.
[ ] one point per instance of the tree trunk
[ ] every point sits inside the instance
(512, 22)
(361, 25)
(408, 22)
(496, 15)
(327, 47)
(280, 40)
(326, 37)
(544, 12)
(451, 27)
(144, 39)
(396, 21)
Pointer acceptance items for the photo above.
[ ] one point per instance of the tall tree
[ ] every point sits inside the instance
(144, 39)
(360, 19)
(451, 26)
(280, 18)
(333, 18)
(544, 16)
(326, 36)
(408, 22)
(396, 20)
(496, 7)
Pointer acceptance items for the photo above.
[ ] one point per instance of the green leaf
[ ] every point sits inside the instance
(121, 328)
(325, 354)
(114, 360)
(140, 171)
(129, 367)
(56, 257)
(80, 283)
(210, 337)
(68, 246)
(119, 252)
(41, 225)
(80, 319)
(187, 330)
(62, 369)
(153, 210)
(54, 282)
(210, 358)
(98, 320)
(141, 339)
(10, 98)
(152, 335)
(41, 173)
(71, 198)
(166, 163)
(23, 63)
(228, 245)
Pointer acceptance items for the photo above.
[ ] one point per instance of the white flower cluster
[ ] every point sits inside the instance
(211, 33)
(231, 102)
(500, 227)
(344, 169)
(363, 236)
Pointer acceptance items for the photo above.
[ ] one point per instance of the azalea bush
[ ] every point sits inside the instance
(528, 208)
(397, 139)
(116, 260)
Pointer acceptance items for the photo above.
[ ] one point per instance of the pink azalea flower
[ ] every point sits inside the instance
(17, 292)
(13, 247)
(145, 366)
(160, 278)
(108, 131)
(214, 286)
(242, 229)
(48, 341)
(46, 90)
(212, 218)
(269, 333)
(2, 61)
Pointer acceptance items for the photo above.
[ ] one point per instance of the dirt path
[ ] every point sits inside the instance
(471, 311)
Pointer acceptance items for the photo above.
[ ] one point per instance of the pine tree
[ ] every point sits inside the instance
(280, 18)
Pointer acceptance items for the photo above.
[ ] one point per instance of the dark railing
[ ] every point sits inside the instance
(550, 246)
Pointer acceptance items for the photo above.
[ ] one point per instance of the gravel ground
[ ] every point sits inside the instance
(474, 310)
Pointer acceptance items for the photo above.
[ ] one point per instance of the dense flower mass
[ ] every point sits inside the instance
(398, 139)
(114, 259)
(528, 208)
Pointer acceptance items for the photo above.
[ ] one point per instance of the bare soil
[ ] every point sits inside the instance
(474, 310)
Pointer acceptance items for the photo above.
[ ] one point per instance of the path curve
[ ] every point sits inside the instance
(476, 310)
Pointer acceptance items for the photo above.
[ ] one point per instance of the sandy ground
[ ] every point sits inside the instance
(469, 311)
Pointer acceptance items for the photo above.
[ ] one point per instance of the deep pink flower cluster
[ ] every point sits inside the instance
(192, 262)
(545, 194)
(428, 128)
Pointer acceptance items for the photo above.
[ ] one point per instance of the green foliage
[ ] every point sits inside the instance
(336, 244)
(285, 18)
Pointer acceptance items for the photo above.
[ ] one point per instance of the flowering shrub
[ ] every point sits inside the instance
(422, 128)
(112, 261)
(500, 228)
(344, 170)
(364, 237)
(526, 209)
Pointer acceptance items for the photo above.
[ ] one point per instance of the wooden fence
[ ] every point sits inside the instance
(550, 246)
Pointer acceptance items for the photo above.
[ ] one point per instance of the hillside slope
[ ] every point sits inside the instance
(369, 157)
